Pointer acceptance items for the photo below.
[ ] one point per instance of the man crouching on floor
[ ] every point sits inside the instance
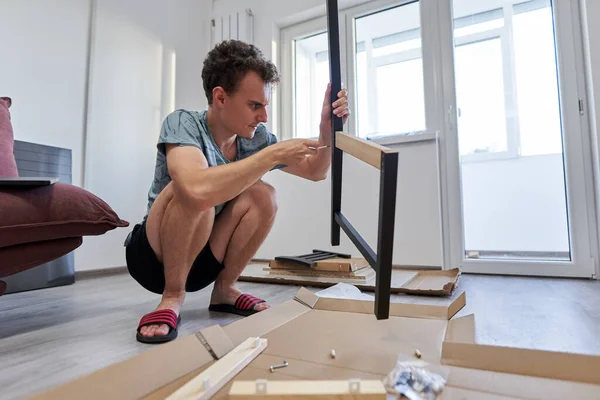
(208, 209)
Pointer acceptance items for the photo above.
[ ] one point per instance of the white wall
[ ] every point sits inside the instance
(146, 61)
(43, 55)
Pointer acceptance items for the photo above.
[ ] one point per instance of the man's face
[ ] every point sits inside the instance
(244, 109)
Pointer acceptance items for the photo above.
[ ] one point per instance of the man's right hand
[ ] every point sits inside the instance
(293, 151)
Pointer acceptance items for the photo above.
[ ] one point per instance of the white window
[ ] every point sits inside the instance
(390, 97)
(503, 60)
(311, 75)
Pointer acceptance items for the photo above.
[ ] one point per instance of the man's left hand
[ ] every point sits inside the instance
(340, 106)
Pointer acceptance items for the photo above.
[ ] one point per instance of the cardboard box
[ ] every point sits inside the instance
(303, 331)
(409, 281)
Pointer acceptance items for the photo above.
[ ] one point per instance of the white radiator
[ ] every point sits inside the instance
(234, 25)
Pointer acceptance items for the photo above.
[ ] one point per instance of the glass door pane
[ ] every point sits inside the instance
(514, 199)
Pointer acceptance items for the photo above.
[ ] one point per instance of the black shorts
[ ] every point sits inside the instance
(145, 268)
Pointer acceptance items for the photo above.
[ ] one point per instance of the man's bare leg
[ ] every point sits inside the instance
(238, 232)
(177, 231)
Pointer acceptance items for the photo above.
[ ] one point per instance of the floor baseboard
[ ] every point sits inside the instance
(102, 272)
(96, 273)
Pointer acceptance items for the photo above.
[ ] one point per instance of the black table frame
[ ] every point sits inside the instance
(381, 261)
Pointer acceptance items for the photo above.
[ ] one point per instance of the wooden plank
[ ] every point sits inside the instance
(359, 276)
(364, 150)
(211, 380)
(313, 389)
(331, 264)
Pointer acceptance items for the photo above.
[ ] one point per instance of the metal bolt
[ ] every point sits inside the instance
(274, 367)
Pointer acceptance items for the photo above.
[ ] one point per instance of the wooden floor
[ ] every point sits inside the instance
(50, 336)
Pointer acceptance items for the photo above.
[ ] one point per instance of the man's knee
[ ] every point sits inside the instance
(171, 207)
(264, 198)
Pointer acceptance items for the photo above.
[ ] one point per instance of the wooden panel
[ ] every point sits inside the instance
(322, 390)
(251, 373)
(359, 276)
(364, 150)
(332, 264)
(211, 380)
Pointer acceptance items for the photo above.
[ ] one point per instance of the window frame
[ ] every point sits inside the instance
(579, 183)
(287, 60)
(347, 37)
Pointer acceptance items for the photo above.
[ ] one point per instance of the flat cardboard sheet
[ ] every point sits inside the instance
(422, 282)
(138, 376)
(304, 330)
(352, 335)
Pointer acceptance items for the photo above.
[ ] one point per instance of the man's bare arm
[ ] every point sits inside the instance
(315, 168)
(207, 187)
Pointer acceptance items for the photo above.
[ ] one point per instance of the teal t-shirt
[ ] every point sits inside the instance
(190, 128)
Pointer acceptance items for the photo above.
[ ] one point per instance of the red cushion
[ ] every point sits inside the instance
(8, 166)
(53, 212)
(25, 256)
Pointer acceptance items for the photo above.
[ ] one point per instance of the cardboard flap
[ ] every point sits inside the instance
(543, 364)
(440, 283)
(517, 386)
(396, 309)
(461, 330)
(306, 297)
(265, 321)
(217, 340)
(457, 304)
(138, 376)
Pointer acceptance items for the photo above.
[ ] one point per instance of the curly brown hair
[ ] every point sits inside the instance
(228, 63)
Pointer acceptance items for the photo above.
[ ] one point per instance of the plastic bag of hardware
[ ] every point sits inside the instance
(413, 380)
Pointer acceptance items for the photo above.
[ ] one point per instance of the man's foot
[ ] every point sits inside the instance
(229, 295)
(173, 303)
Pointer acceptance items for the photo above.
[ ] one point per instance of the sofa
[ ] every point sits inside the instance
(41, 223)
